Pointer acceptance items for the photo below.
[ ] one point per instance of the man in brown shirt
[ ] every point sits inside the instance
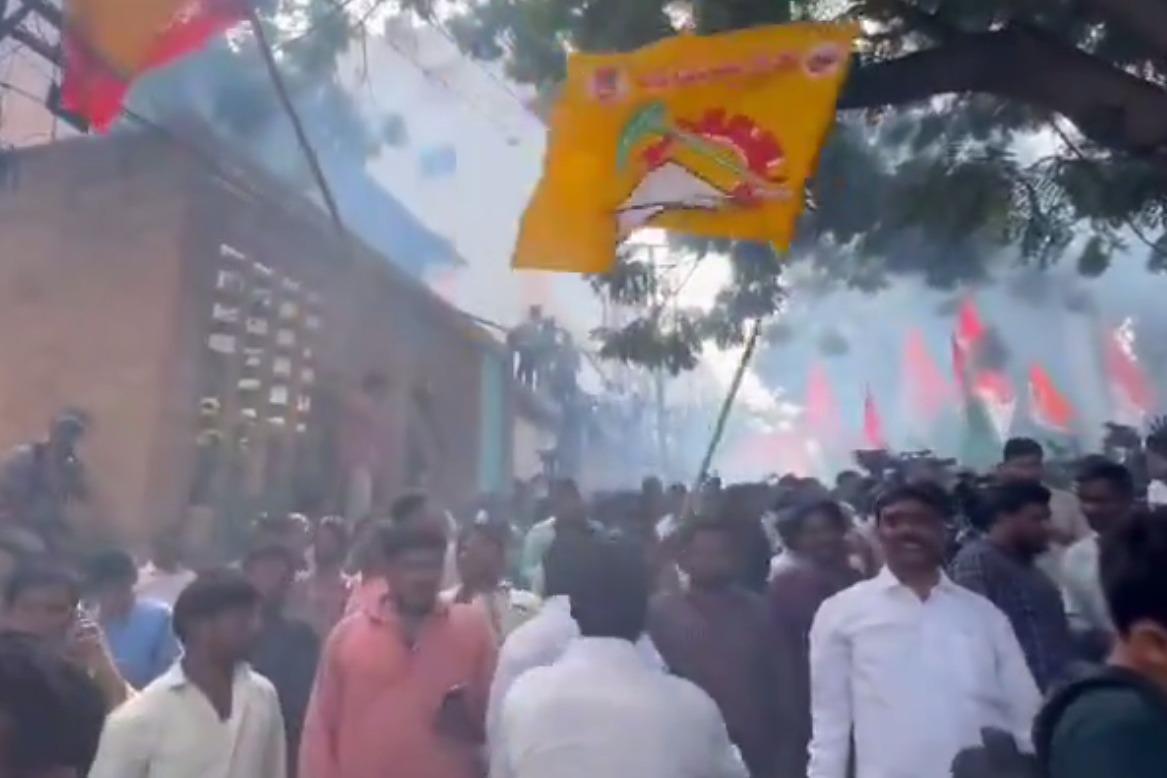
(719, 635)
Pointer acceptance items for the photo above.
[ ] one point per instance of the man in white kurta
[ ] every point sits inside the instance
(170, 730)
(914, 679)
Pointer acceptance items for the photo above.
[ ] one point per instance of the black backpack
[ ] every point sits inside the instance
(1061, 698)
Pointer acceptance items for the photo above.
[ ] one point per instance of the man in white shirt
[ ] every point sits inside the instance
(601, 710)
(210, 714)
(909, 665)
(543, 639)
(164, 577)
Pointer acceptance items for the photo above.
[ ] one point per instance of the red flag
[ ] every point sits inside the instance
(872, 425)
(1048, 406)
(969, 331)
(969, 328)
(775, 451)
(821, 413)
(1130, 391)
(926, 389)
(100, 67)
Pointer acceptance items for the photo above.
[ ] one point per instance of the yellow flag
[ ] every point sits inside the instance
(711, 135)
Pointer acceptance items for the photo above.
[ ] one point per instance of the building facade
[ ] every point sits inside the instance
(232, 351)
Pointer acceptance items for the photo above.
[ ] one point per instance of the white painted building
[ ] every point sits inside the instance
(451, 102)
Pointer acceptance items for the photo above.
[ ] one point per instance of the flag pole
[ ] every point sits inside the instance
(281, 89)
(727, 405)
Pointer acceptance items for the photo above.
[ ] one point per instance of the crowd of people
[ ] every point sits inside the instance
(909, 623)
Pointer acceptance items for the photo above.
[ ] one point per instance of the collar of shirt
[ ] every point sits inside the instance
(386, 612)
(607, 651)
(887, 581)
(175, 678)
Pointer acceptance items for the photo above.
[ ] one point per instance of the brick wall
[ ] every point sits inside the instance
(89, 273)
(107, 257)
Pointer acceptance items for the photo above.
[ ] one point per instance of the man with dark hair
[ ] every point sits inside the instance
(404, 683)
(287, 648)
(414, 509)
(210, 714)
(1114, 723)
(814, 566)
(569, 516)
(721, 636)
(600, 710)
(42, 598)
(323, 590)
(481, 562)
(908, 668)
(136, 629)
(1106, 491)
(1002, 567)
(51, 712)
(1023, 459)
(543, 639)
(40, 480)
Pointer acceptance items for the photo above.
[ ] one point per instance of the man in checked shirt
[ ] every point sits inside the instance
(1001, 566)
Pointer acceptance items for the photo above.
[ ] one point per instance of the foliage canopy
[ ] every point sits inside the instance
(969, 131)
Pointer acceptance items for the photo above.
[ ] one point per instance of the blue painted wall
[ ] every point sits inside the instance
(495, 429)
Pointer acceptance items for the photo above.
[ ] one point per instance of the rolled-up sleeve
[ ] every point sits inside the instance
(830, 694)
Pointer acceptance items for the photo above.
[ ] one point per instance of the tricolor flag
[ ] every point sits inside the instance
(1048, 407)
(1130, 392)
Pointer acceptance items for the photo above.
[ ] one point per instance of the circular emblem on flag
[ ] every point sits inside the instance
(608, 85)
(824, 59)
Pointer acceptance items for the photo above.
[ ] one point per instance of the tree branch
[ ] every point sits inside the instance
(1110, 106)
(1144, 19)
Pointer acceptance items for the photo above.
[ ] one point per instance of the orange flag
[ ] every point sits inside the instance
(110, 43)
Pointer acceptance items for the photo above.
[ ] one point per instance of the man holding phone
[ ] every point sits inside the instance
(402, 688)
(43, 599)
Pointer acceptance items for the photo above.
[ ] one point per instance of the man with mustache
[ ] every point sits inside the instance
(908, 665)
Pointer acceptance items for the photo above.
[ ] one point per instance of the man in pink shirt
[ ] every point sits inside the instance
(402, 687)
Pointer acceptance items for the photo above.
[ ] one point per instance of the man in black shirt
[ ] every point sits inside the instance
(1114, 723)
